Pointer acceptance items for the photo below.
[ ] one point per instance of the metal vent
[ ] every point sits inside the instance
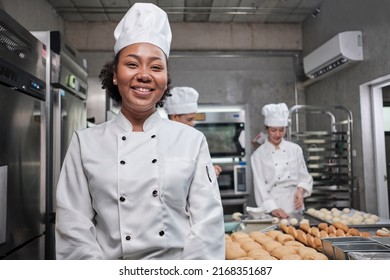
(11, 41)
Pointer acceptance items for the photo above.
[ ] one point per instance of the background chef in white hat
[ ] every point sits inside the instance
(281, 179)
(182, 106)
(139, 186)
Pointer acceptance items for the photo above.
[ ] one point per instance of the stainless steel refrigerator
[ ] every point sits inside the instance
(66, 77)
(22, 142)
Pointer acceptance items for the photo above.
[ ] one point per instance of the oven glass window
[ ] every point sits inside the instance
(223, 138)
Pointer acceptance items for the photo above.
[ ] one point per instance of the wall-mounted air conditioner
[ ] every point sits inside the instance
(342, 50)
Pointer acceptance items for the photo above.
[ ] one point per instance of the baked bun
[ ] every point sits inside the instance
(265, 257)
(281, 251)
(283, 238)
(315, 232)
(293, 243)
(310, 241)
(284, 227)
(324, 234)
(255, 234)
(331, 230)
(257, 252)
(292, 257)
(244, 258)
(247, 246)
(305, 227)
(292, 231)
(353, 232)
(233, 251)
(274, 233)
(271, 245)
(342, 226)
(301, 236)
(264, 239)
(383, 233)
(237, 235)
(244, 239)
(340, 233)
(315, 256)
(323, 226)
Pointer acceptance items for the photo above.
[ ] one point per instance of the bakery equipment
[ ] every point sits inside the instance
(22, 142)
(325, 135)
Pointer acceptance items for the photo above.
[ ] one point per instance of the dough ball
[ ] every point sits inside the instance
(369, 221)
(311, 211)
(375, 217)
(284, 221)
(336, 219)
(304, 221)
(236, 216)
(346, 210)
(275, 220)
(293, 221)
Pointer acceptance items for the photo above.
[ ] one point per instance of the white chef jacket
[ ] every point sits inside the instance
(139, 195)
(277, 173)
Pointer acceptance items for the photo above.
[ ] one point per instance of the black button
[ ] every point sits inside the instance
(123, 162)
(154, 160)
(123, 138)
(128, 237)
(154, 193)
(161, 233)
(122, 198)
(153, 136)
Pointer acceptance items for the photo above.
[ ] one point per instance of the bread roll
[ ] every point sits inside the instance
(244, 239)
(382, 233)
(310, 241)
(340, 233)
(283, 238)
(271, 245)
(257, 252)
(284, 227)
(239, 234)
(292, 257)
(292, 231)
(323, 234)
(293, 243)
(364, 234)
(265, 257)
(315, 232)
(281, 251)
(233, 251)
(342, 226)
(247, 246)
(353, 232)
(305, 227)
(244, 258)
(255, 234)
(302, 251)
(331, 230)
(301, 236)
(315, 256)
(274, 233)
(318, 243)
(323, 226)
(263, 240)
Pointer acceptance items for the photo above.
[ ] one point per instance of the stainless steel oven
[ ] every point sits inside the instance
(224, 129)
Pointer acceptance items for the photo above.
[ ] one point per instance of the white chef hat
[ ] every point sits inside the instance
(144, 23)
(276, 115)
(184, 100)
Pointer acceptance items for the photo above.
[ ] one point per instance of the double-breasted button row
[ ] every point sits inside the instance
(161, 233)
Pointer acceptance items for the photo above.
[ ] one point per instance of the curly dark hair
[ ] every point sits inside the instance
(107, 74)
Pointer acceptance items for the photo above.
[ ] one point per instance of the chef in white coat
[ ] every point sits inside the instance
(182, 106)
(139, 186)
(281, 179)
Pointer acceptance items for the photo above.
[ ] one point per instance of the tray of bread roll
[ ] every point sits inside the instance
(348, 216)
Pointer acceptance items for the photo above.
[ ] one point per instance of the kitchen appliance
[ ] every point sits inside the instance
(327, 149)
(22, 142)
(224, 129)
(66, 75)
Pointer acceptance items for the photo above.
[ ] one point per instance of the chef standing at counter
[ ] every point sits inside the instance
(182, 106)
(281, 179)
(139, 186)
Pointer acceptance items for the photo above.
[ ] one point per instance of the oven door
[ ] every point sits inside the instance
(224, 139)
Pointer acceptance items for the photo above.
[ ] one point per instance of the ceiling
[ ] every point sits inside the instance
(219, 11)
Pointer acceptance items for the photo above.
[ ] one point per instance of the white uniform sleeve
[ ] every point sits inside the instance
(261, 189)
(75, 230)
(206, 238)
(305, 179)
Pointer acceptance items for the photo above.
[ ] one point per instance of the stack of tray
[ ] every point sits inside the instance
(344, 248)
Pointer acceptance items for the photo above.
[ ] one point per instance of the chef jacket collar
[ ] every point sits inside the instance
(271, 147)
(149, 123)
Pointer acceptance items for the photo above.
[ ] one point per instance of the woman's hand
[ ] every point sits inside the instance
(279, 213)
(298, 198)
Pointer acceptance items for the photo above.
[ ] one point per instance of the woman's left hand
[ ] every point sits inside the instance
(298, 198)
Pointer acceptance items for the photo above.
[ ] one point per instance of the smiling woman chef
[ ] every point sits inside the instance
(139, 186)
